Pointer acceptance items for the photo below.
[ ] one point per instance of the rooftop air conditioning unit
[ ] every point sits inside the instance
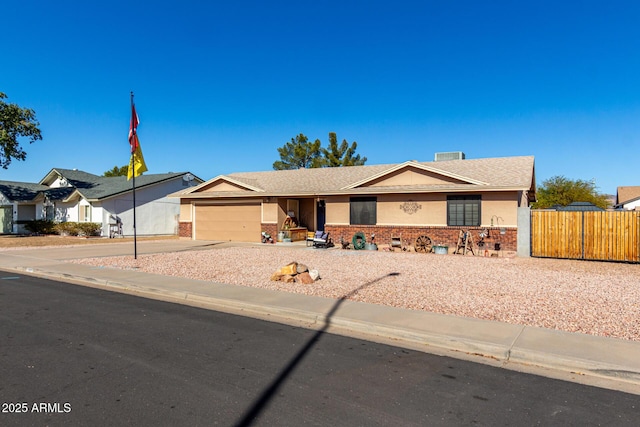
(453, 155)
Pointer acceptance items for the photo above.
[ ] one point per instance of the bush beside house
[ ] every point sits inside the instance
(41, 226)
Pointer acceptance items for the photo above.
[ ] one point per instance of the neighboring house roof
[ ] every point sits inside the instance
(493, 174)
(21, 191)
(579, 206)
(59, 193)
(627, 194)
(80, 184)
(75, 178)
(106, 187)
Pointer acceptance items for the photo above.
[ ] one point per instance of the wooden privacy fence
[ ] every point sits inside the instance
(602, 236)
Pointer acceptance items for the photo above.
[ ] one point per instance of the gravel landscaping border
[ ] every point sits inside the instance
(588, 297)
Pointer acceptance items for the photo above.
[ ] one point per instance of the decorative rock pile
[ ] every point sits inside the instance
(294, 272)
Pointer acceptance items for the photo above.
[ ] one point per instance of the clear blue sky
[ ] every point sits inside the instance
(219, 86)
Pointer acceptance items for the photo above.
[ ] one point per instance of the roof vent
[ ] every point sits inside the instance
(452, 155)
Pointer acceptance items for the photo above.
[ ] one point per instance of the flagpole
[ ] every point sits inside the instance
(133, 160)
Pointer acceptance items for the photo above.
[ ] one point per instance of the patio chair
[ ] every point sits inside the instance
(322, 240)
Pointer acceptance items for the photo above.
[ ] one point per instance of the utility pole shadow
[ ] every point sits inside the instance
(266, 396)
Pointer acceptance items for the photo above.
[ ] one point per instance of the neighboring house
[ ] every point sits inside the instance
(437, 199)
(19, 204)
(628, 198)
(77, 196)
(578, 207)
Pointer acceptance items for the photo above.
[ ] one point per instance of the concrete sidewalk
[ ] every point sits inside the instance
(598, 361)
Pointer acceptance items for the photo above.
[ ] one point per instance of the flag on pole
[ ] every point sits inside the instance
(136, 163)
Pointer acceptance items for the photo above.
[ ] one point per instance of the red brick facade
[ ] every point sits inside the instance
(447, 236)
(271, 229)
(185, 229)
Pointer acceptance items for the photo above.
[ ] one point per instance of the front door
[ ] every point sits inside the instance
(321, 215)
(6, 219)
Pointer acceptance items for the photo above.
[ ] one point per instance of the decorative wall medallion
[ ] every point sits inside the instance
(410, 207)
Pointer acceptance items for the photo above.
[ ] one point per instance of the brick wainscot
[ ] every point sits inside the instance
(447, 236)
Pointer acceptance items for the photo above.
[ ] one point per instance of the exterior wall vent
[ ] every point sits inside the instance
(453, 155)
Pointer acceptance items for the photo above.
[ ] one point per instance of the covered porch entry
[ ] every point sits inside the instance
(298, 216)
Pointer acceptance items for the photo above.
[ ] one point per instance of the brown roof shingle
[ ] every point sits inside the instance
(626, 194)
(495, 173)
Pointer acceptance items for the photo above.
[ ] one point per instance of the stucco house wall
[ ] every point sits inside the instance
(186, 209)
(66, 212)
(270, 212)
(156, 213)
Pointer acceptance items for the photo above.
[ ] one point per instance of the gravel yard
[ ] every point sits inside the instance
(595, 298)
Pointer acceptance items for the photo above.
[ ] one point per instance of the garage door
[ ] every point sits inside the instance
(239, 223)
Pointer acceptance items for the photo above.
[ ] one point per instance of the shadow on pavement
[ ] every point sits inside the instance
(199, 247)
(261, 403)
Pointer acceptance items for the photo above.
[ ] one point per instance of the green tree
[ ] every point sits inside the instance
(15, 122)
(299, 153)
(559, 190)
(117, 171)
(342, 155)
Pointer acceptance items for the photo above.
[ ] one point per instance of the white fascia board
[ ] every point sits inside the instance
(222, 178)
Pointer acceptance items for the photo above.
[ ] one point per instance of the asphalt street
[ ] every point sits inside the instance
(72, 355)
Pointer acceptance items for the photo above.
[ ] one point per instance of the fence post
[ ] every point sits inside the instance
(582, 226)
(524, 232)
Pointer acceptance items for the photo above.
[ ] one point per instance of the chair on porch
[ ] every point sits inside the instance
(322, 240)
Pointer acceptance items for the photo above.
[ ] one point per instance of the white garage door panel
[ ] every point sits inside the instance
(228, 222)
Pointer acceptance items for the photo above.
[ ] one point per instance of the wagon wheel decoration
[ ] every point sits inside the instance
(423, 244)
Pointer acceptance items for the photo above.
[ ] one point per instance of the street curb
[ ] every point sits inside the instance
(576, 365)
